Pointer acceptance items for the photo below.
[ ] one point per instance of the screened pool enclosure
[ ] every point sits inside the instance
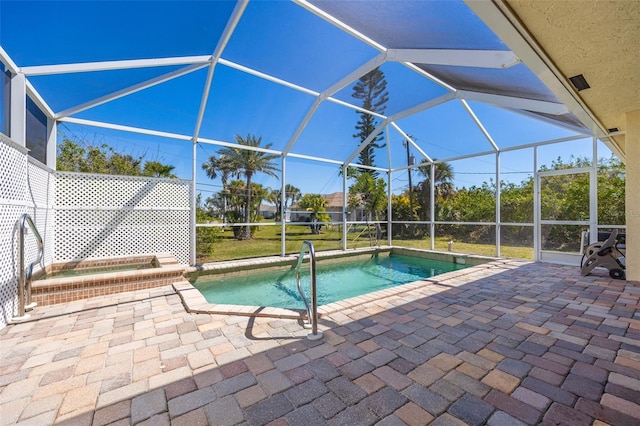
(381, 109)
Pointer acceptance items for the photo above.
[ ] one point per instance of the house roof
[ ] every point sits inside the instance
(267, 208)
(334, 199)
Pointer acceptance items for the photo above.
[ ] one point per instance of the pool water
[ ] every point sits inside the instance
(336, 280)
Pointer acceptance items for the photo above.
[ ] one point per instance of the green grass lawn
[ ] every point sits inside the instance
(441, 244)
(266, 242)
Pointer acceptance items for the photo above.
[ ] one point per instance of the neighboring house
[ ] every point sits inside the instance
(267, 211)
(334, 209)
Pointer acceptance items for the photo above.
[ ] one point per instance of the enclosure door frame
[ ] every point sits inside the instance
(591, 223)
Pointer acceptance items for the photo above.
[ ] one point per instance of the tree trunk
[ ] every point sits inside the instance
(247, 209)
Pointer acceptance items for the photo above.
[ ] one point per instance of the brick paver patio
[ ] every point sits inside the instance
(521, 343)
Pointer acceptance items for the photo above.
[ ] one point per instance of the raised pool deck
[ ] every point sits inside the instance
(517, 343)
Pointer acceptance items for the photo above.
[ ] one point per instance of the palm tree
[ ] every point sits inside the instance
(217, 165)
(220, 165)
(259, 194)
(291, 195)
(157, 169)
(442, 185)
(246, 162)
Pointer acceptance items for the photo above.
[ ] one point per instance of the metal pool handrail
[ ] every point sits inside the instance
(312, 312)
(25, 274)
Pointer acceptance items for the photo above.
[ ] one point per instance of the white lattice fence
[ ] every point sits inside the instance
(27, 187)
(99, 216)
(84, 216)
(41, 193)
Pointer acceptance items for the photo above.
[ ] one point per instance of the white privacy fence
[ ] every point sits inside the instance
(27, 187)
(85, 216)
(101, 216)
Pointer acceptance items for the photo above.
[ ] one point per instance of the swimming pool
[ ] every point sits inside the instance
(336, 280)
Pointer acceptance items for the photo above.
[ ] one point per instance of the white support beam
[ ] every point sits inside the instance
(129, 90)
(51, 147)
(475, 119)
(388, 145)
(337, 162)
(565, 172)
(333, 89)
(423, 106)
(312, 158)
(6, 59)
(537, 231)
(112, 65)
(349, 30)
(463, 157)
(460, 57)
(593, 192)
(267, 77)
(356, 108)
(283, 198)
(416, 146)
(35, 97)
(362, 166)
(432, 205)
(303, 124)
(222, 43)
(512, 102)
(293, 86)
(452, 222)
(238, 146)
(399, 169)
(345, 211)
(390, 208)
(367, 141)
(354, 75)
(131, 129)
(176, 136)
(431, 77)
(192, 202)
(497, 206)
(18, 109)
(341, 25)
(547, 120)
(542, 143)
(505, 24)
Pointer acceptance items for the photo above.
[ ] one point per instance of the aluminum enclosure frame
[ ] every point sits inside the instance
(407, 57)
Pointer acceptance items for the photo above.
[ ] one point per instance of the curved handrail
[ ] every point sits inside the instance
(312, 311)
(27, 218)
(304, 298)
(25, 274)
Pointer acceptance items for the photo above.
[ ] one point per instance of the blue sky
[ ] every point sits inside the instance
(275, 37)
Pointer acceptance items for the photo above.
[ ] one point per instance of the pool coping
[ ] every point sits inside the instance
(195, 302)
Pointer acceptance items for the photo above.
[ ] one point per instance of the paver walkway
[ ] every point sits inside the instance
(522, 343)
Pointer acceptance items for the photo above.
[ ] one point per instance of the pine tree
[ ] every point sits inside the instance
(372, 90)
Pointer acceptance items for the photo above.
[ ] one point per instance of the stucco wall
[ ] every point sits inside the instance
(632, 198)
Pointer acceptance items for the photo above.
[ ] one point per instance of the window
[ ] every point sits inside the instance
(36, 132)
(5, 100)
